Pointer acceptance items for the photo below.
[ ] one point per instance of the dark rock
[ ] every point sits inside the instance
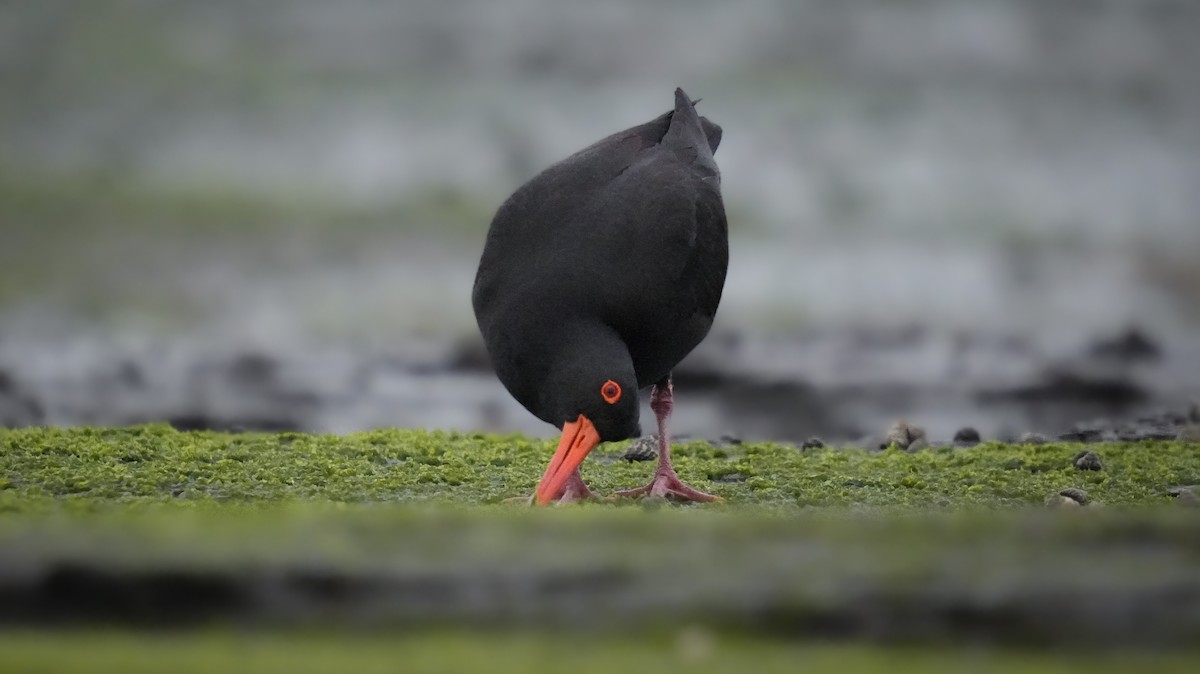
(1131, 345)
(1113, 392)
(730, 440)
(813, 443)
(642, 449)
(1088, 461)
(967, 436)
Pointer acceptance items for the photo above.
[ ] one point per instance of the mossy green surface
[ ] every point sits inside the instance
(694, 651)
(155, 463)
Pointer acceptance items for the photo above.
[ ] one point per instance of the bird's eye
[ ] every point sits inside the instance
(611, 392)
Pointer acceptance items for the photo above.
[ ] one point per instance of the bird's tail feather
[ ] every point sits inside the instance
(686, 134)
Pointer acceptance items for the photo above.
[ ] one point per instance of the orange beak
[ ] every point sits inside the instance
(579, 437)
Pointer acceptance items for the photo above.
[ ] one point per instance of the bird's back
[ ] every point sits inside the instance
(629, 231)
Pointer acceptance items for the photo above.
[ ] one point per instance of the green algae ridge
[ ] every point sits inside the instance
(155, 463)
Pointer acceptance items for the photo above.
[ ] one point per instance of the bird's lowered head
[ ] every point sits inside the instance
(591, 393)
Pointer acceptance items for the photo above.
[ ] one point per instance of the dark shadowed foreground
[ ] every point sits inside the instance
(1103, 580)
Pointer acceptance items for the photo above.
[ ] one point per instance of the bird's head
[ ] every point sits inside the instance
(593, 398)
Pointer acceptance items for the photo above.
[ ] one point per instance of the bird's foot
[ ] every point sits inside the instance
(574, 491)
(666, 484)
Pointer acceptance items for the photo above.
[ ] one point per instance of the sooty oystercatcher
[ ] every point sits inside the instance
(598, 276)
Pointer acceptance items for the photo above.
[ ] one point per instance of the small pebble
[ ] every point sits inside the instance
(902, 435)
(1088, 461)
(1060, 501)
(1075, 493)
(1189, 433)
(1068, 498)
(967, 436)
(642, 449)
(813, 443)
(1031, 439)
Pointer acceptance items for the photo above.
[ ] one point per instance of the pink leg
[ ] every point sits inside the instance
(574, 491)
(666, 483)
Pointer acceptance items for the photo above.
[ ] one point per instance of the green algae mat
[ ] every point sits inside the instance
(155, 463)
(397, 546)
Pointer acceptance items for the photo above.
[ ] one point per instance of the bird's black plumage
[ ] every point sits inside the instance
(609, 265)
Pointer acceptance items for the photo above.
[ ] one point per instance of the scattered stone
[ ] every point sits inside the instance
(902, 435)
(1088, 461)
(730, 439)
(642, 449)
(1075, 494)
(1060, 501)
(967, 436)
(1068, 498)
(729, 478)
(813, 443)
(1032, 439)
(1189, 433)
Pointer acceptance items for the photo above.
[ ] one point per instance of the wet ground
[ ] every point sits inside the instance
(840, 387)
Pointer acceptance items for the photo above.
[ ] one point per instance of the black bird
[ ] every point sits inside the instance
(598, 276)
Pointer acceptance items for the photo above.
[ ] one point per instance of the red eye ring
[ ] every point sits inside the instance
(611, 392)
